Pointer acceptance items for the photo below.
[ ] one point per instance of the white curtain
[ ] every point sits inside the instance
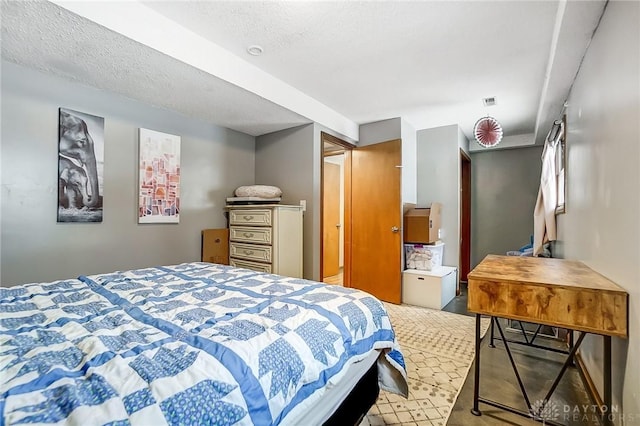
(544, 214)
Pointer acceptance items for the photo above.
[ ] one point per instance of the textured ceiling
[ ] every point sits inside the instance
(43, 36)
(428, 62)
(371, 61)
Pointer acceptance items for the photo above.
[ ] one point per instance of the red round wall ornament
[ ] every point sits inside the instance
(488, 132)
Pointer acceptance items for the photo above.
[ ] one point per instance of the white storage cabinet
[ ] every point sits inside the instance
(266, 238)
(430, 289)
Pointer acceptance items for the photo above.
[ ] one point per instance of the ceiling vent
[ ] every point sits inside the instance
(489, 101)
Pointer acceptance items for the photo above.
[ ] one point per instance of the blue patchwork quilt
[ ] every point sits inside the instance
(189, 344)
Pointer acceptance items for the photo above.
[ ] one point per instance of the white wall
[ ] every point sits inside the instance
(214, 161)
(438, 164)
(602, 223)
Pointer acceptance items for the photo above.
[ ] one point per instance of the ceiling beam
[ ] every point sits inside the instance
(136, 21)
(574, 26)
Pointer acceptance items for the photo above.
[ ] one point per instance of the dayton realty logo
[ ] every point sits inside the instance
(544, 411)
(595, 413)
(553, 411)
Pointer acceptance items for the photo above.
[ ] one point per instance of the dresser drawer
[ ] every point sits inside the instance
(250, 252)
(250, 217)
(255, 266)
(250, 235)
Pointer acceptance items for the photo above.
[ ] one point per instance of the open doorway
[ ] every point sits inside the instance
(335, 170)
(465, 219)
(370, 224)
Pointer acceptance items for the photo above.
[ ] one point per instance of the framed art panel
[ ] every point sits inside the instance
(80, 166)
(159, 181)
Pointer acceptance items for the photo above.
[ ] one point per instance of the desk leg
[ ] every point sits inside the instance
(566, 365)
(571, 343)
(493, 319)
(606, 410)
(476, 374)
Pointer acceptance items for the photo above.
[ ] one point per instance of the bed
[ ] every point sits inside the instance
(195, 343)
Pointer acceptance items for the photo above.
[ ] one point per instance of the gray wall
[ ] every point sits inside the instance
(438, 163)
(601, 226)
(392, 129)
(291, 160)
(288, 159)
(504, 188)
(463, 144)
(380, 131)
(214, 161)
(409, 164)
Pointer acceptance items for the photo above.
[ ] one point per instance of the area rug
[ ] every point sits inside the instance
(439, 348)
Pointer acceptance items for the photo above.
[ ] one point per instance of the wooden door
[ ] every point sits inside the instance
(465, 217)
(331, 220)
(376, 237)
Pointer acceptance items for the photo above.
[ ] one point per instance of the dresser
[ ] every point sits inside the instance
(266, 238)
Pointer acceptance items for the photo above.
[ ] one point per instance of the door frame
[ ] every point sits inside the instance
(465, 218)
(346, 147)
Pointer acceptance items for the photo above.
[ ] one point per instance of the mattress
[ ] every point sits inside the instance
(334, 394)
(194, 343)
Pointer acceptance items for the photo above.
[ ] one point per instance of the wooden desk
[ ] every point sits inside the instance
(554, 292)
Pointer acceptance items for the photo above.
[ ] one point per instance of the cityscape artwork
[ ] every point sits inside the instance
(159, 191)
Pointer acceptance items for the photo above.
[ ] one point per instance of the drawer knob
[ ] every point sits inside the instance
(248, 235)
(248, 217)
(248, 252)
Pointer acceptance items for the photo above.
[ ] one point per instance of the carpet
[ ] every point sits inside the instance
(439, 348)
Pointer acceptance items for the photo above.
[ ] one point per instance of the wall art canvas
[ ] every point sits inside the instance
(80, 166)
(159, 184)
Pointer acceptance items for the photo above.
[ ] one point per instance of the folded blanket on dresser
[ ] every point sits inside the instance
(194, 343)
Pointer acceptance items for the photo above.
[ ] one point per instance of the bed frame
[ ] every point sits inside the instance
(358, 402)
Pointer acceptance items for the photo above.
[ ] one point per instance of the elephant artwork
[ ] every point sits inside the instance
(80, 164)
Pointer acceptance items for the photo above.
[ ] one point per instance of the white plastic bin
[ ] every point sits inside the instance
(423, 256)
(430, 289)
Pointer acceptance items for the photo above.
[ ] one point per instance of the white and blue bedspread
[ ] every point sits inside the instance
(190, 344)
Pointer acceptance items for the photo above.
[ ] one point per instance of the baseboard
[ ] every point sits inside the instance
(588, 383)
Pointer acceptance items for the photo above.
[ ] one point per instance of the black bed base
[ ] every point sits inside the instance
(358, 402)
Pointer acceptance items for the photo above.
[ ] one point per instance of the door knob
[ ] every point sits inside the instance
(338, 225)
(394, 229)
